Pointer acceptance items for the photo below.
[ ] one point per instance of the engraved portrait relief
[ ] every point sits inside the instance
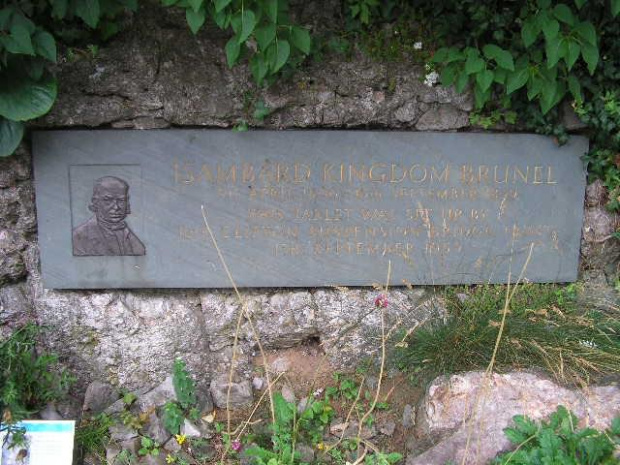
(106, 233)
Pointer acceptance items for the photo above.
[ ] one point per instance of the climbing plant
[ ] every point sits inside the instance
(29, 33)
(520, 59)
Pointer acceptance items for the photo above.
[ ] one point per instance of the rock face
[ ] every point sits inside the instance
(470, 411)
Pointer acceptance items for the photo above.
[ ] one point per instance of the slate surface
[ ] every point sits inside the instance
(313, 208)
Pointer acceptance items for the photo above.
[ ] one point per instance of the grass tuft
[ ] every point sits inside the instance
(544, 329)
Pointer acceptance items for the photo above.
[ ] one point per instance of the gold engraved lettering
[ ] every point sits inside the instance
(495, 177)
(301, 173)
(393, 176)
(483, 174)
(382, 177)
(282, 173)
(443, 177)
(184, 174)
(207, 174)
(266, 174)
(247, 173)
(521, 174)
(380, 215)
(467, 174)
(538, 175)
(355, 173)
(224, 176)
(421, 177)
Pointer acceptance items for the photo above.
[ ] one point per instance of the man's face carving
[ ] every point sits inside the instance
(110, 202)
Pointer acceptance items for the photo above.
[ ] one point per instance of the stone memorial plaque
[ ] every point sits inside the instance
(122, 209)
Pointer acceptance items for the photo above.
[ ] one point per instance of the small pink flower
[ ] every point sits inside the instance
(381, 301)
(235, 445)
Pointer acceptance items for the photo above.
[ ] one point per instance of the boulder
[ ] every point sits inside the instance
(240, 392)
(465, 415)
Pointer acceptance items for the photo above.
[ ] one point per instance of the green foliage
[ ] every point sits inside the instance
(544, 328)
(29, 32)
(28, 380)
(173, 417)
(535, 53)
(560, 441)
(148, 446)
(92, 435)
(291, 429)
(175, 412)
(183, 384)
(261, 30)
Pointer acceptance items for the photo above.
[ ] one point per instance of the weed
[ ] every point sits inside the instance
(559, 441)
(28, 380)
(93, 434)
(148, 447)
(543, 328)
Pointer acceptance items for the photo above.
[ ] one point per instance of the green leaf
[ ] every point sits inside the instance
(59, 8)
(271, 8)
(573, 53)
(534, 87)
(19, 42)
(543, 4)
(587, 32)
(265, 35)
(448, 75)
(474, 63)
(259, 68)
(22, 99)
(300, 38)
(45, 45)
(461, 82)
(529, 32)
(516, 80)
(222, 19)
(551, 29)
(485, 79)
(169, 2)
(615, 7)
(282, 409)
(440, 55)
(283, 50)
(233, 49)
(195, 4)
(11, 133)
(195, 19)
(502, 57)
(221, 4)
(556, 49)
(481, 97)
(564, 14)
(590, 55)
(89, 11)
(5, 17)
(580, 3)
(549, 89)
(515, 436)
(248, 23)
(500, 76)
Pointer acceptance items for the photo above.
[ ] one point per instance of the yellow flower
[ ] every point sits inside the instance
(320, 446)
(170, 459)
(180, 438)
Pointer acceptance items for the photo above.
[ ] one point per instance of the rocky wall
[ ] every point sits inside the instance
(157, 75)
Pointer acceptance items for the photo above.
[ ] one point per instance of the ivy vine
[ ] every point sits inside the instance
(521, 59)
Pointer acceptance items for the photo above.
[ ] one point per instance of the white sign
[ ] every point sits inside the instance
(44, 443)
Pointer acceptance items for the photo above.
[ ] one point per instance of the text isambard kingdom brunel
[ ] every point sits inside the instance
(429, 211)
(307, 208)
